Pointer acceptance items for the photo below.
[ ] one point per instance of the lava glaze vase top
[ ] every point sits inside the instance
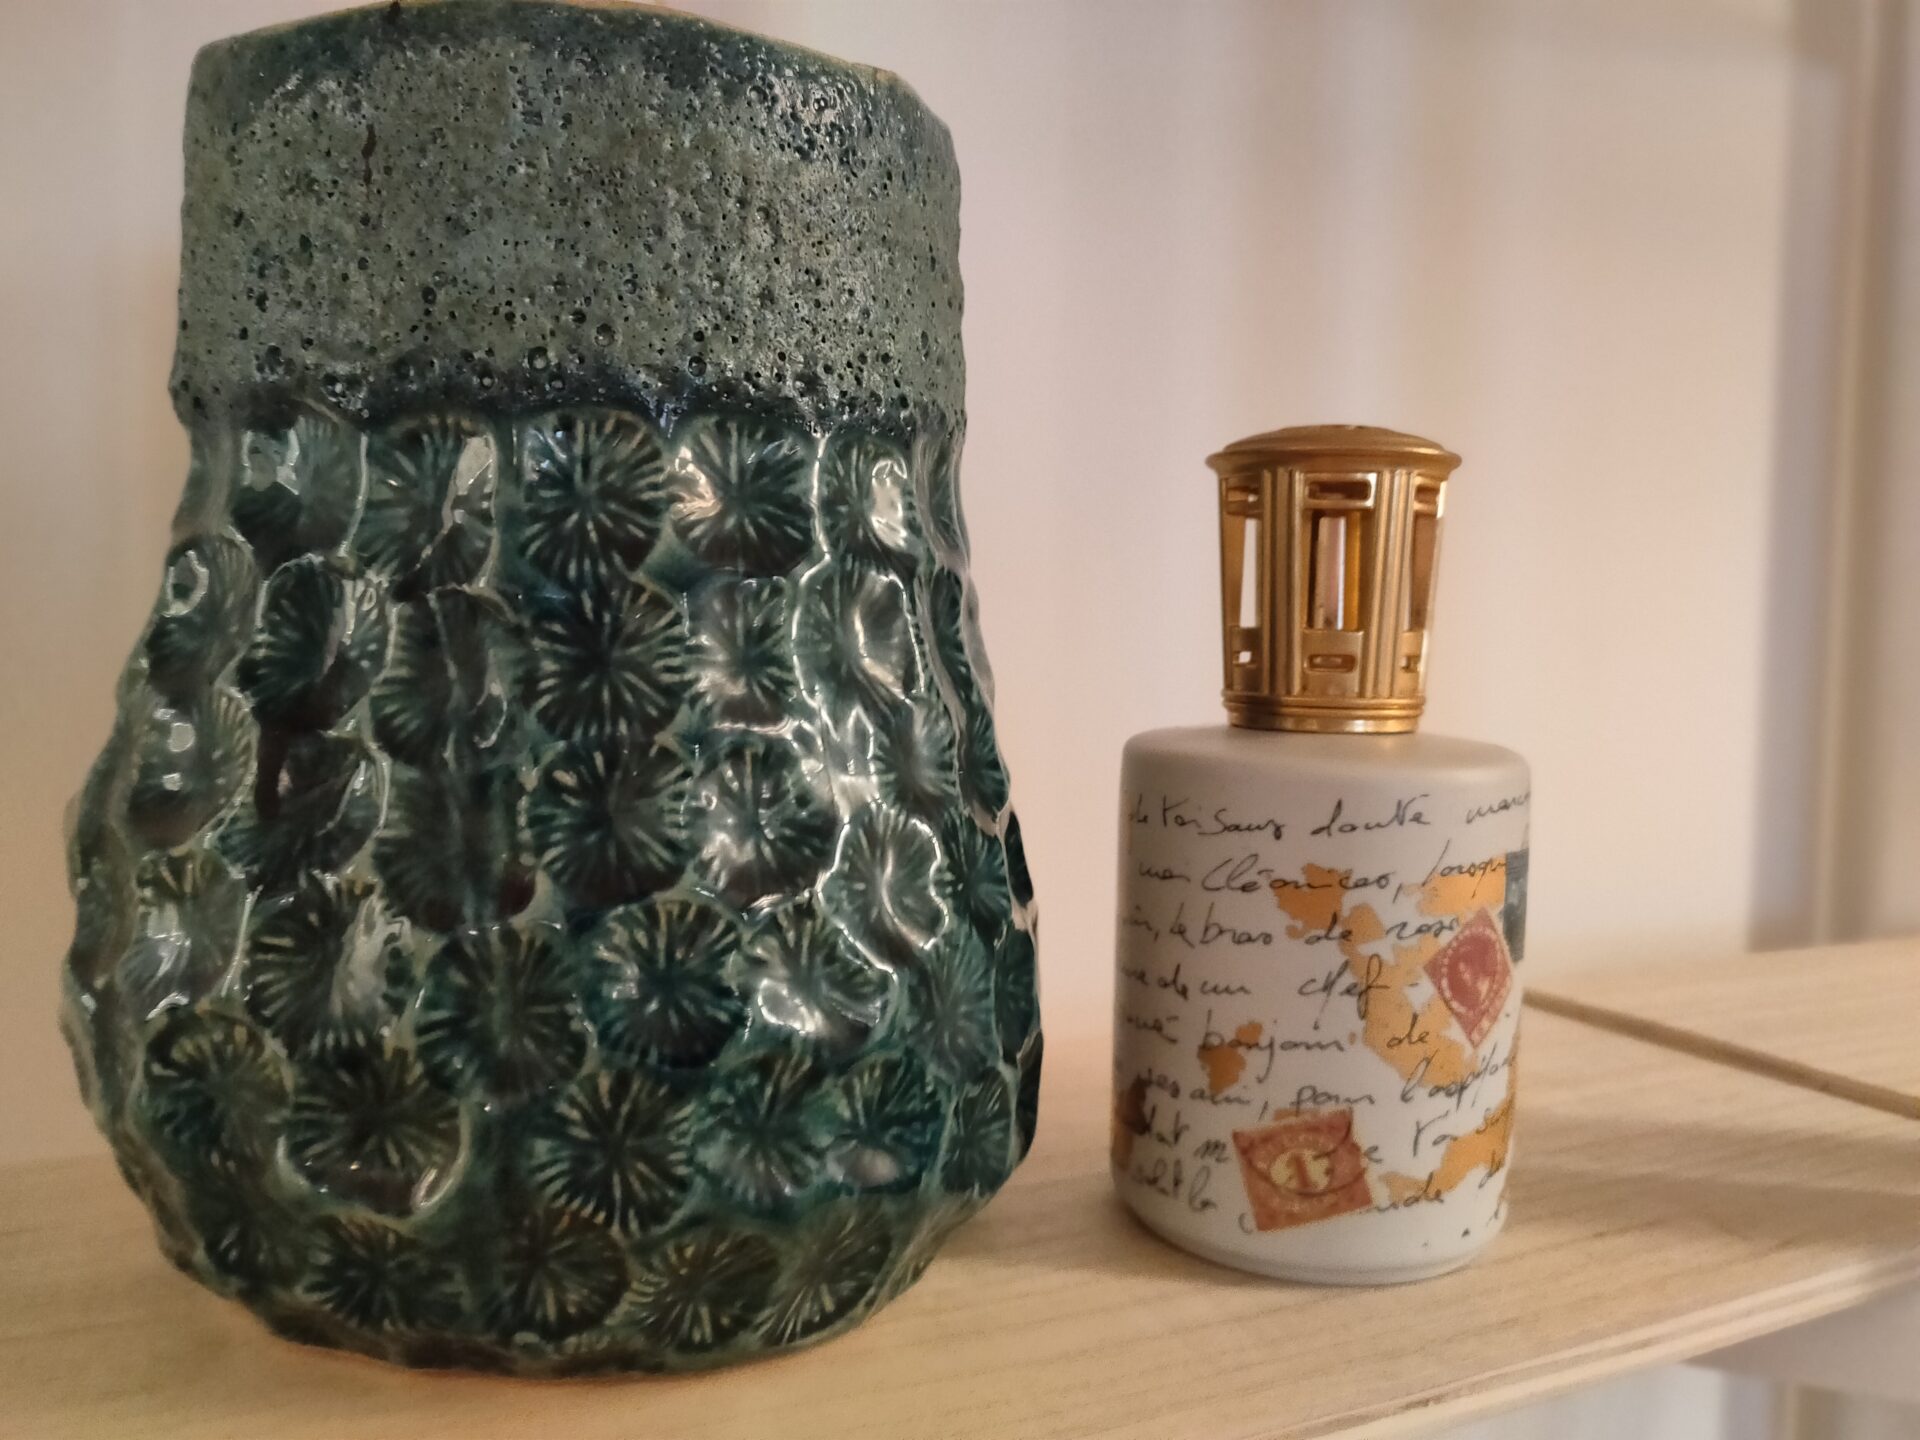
(549, 900)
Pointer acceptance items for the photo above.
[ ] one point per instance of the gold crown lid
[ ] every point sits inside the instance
(1328, 540)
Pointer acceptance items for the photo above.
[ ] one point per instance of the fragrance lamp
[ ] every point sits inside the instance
(1322, 911)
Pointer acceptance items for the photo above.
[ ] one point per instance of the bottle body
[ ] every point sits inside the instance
(1317, 1001)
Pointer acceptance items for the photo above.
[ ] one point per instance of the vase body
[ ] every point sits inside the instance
(550, 900)
(1318, 999)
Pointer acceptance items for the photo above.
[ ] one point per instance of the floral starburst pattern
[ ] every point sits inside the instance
(322, 640)
(867, 511)
(766, 831)
(854, 641)
(498, 1009)
(951, 1005)
(809, 983)
(888, 1120)
(886, 883)
(913, 757)
(553, 1273)
(213, 1090)
(609, 664)
(548, 901)
(204, 613)
(594, 492)
(609, 824)
(428, 514)
(977, 874)
(831, 1271)
(250, 1236)
(617, 1147)
(298, 488)
(324, 962)
(742, 656)
(983, 778)
(657, 989)
(980, 1141)
(702, 1290)
(376, 1275)
(768, 1127)
(745, 504)
(191, 904)
(370, 1126)
(189, 762)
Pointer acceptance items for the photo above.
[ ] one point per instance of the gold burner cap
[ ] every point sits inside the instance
(1329, 540)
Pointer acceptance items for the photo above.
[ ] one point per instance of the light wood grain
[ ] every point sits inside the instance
(1663, 1206)
(1727, 1052)
(1841, 1019)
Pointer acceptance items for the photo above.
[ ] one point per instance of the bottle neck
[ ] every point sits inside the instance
(1307, 715)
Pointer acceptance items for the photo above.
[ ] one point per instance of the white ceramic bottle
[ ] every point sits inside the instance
(1322, 912)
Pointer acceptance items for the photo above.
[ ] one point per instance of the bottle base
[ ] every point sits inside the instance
(1329, 1275)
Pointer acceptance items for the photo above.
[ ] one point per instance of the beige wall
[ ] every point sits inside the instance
(1592, 246)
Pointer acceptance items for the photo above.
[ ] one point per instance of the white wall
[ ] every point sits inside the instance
(1597, 246)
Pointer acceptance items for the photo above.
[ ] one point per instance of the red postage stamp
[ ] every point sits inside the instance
(1302, 1166)
(1474, 974)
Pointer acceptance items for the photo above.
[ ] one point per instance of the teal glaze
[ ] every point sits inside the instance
(549, 901)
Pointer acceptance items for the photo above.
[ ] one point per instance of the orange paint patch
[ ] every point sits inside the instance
(1363, 927)
(1313, 901)
(1483, 1149)
(1461, 894)
(1226, 1060)
(1419, 1042)
(1129, 1121)
(1402, 1188)
(1416, 1041)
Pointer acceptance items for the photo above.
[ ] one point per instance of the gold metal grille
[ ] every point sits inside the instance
(1329, 540)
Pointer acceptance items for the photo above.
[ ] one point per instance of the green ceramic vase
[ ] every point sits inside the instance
(550, 901)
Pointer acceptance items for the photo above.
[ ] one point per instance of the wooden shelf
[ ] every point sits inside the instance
(1839, 1019)
(1664, 1205)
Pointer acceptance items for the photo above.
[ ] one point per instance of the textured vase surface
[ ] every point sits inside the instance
(550, 901)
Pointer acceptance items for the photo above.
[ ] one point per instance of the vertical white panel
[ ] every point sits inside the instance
(1878, 880)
